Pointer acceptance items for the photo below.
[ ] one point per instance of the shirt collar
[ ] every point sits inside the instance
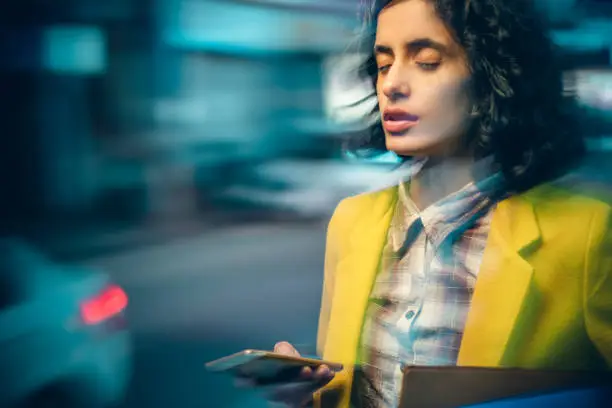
(455, 213)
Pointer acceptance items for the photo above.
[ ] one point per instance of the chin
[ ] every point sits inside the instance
(406, 146)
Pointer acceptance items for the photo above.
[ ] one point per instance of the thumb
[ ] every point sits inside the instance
(286, 349)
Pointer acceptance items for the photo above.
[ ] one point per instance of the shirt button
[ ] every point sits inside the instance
(410, 314)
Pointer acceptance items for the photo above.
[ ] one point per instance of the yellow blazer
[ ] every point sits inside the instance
(543, 297)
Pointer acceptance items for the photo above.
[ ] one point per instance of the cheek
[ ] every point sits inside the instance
(447, 96)
(380, 96)
(447, 110)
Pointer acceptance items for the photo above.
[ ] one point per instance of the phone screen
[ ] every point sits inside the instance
(265, 367)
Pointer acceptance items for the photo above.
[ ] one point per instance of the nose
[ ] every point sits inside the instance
(395, 84)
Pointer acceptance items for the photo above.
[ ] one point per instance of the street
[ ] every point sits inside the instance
(198, 299)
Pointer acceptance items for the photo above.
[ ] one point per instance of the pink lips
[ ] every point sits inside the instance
(398, 121)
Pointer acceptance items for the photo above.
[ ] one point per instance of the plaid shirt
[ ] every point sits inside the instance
(421, 297)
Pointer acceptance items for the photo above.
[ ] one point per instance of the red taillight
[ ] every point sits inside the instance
(107, 304)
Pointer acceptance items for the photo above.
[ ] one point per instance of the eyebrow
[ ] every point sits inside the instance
(413, 46)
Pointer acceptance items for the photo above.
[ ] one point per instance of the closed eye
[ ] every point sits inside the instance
(428, 66)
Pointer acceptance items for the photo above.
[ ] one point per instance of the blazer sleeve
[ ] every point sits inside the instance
(332, 255)
(598, 283)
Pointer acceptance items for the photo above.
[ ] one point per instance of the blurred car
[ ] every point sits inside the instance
(63, 336)
(304, 188)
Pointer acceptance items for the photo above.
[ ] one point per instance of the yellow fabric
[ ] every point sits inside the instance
(543, 298)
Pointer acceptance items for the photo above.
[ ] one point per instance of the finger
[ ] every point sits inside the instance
(286, 349)
(293, 394)
(306, 373)
(323, 372)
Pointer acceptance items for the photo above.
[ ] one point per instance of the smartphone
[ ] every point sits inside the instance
(266, 367)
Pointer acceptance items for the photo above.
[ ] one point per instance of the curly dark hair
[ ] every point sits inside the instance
(525, 121)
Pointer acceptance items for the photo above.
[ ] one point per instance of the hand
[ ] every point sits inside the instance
(293, 394)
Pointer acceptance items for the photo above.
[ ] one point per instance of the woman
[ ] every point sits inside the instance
(477, 257)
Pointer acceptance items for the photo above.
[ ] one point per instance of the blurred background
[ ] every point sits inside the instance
(185, 155)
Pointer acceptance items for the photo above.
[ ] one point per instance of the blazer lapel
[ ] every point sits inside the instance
(356, 272)
(503, 283)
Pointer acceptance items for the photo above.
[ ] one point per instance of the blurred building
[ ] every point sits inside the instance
(124, 109)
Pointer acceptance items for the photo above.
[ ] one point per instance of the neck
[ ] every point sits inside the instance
(442, 177)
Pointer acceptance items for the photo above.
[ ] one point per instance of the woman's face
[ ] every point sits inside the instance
(423, 81)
